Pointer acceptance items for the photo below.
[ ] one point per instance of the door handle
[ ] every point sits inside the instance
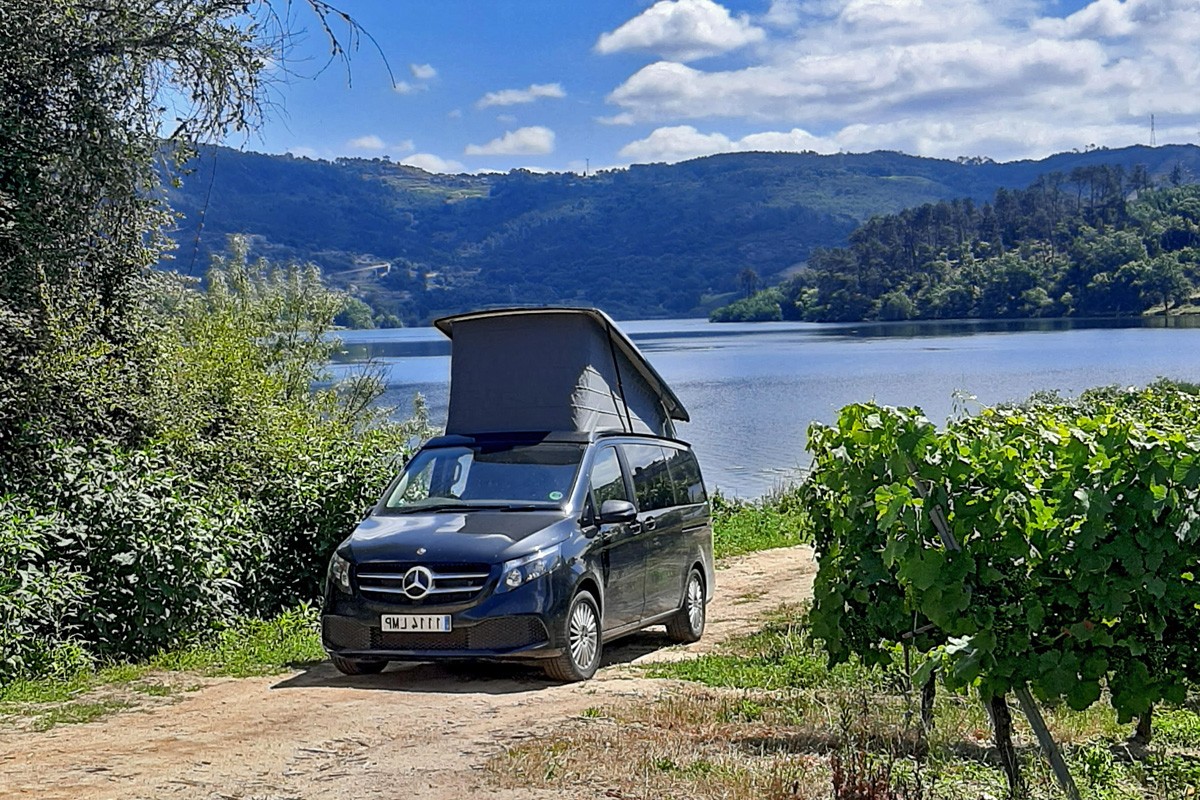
(650, 523)
(635, 527)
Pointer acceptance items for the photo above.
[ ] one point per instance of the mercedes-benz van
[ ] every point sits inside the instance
(558, 512)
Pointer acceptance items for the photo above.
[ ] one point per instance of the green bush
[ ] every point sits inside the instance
(760, 307)
(252, 467)
(39, 595)
(1076, 529)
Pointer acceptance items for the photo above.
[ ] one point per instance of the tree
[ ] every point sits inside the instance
(86, 91)
(749, 281)
(1162, 281)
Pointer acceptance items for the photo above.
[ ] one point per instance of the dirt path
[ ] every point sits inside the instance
(416, 731)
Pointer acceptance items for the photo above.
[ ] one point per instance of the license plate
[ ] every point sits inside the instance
(415, 623)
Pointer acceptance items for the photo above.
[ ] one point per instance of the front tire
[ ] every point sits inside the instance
(581, 634)
(688, 623)
(350, 666)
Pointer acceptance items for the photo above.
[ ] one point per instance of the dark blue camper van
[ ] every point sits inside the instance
(558, 512)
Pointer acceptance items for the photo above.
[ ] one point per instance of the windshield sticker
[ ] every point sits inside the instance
(556, 495)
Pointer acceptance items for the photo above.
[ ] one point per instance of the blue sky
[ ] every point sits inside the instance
(555, 85)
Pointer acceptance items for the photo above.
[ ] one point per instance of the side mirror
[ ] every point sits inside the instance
(612, 511)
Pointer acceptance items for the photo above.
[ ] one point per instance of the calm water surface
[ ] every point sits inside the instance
(753, 389)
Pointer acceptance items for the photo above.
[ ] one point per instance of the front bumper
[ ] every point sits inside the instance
(517, 624)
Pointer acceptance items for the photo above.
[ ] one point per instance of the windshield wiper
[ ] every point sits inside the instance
(529, 507)
(441, 507)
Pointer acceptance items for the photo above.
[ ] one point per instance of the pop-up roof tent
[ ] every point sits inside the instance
(552, 369)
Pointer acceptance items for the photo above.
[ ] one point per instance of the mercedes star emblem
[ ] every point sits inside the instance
(417, 582)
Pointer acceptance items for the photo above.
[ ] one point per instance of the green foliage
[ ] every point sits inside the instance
(81, 216)
(1076, 522)
(777, 520)
(759, 307)
(39, 594)
(1069, 244)
(259, 467)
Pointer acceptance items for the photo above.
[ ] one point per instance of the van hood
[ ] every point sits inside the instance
(470, 536)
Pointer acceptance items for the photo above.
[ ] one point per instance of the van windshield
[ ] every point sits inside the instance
(505, 476)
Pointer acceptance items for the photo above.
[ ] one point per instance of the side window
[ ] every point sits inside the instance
(685, 476)
(607, 482)
(651, 479)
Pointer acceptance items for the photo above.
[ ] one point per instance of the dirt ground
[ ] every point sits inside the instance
(415, 731)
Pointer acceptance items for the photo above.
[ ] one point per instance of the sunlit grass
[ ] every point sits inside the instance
(252, 647)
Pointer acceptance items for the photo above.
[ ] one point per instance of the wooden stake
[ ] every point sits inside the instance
(1049, 747)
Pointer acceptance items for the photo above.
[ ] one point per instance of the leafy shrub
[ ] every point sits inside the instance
(1077, 528)
(252, 469)
(38, 595)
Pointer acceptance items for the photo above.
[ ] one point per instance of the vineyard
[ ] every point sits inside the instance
(1045, 548)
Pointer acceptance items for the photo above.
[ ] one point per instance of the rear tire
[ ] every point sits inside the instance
(350, 666)
(688, 623)
(581, 636)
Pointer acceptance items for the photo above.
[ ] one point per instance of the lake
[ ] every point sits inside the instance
(752, 389)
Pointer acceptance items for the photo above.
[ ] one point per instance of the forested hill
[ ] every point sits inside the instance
(1097, 241)
(653, 240)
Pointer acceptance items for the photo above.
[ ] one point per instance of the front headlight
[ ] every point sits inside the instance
(339, 573)
(521, 571)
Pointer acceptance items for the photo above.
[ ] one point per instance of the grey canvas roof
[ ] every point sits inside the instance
(548, 369)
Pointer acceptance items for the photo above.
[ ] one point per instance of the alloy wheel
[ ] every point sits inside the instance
(583, 634)
(695, 603)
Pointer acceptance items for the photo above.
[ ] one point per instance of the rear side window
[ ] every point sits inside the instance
(685, 477)
(607, 482)
(651, 477)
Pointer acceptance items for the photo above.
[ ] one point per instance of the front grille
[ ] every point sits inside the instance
(452, 583)
(504, 633)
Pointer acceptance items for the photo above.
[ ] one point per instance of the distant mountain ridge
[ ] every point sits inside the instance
(652, 240)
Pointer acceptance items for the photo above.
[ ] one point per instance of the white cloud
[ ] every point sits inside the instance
(938, 77)
(512, 97)
(431, 163)
(404, 87)
(422, 72)
(376, 145)
(531, 141)
(684, 30)
(782, 14)
(681, 142)
(370, 142)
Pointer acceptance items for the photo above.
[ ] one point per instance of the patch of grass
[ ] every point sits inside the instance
(781, 656)
(253, 647)
(678, 747)
(777, 520)
(47, 690)
(1179, 727)
(76, 713)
